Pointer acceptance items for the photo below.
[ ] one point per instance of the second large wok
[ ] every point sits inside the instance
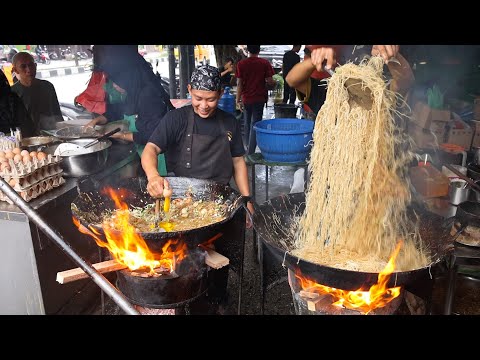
(273, 221)
(89, 207)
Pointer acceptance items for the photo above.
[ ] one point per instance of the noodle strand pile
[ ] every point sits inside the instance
(357, 196)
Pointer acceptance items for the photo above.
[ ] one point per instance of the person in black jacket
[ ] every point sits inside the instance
(290, 59)
(146, 98)
(12, 111)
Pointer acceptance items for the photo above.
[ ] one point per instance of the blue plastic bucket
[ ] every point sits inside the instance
(284, 139)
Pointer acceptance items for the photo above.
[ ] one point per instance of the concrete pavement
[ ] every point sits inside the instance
(64, 67)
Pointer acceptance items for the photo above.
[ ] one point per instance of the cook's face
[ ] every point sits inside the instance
(204, 102)
(25, 68)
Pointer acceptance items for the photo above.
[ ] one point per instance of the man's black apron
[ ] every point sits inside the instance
(205, 156)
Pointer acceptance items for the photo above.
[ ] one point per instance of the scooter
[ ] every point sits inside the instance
(44, 58)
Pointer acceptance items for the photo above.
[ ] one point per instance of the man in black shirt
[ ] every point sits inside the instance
(290, 59)
(199, 141)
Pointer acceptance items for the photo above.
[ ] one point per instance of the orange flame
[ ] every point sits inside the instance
(363, 301)
(127, 246)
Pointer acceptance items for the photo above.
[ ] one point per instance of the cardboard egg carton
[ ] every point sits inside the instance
(37, 189)
(24, 182)
(20, 169)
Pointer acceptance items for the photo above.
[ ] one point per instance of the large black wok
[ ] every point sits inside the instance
(279, 239)
(89, 207)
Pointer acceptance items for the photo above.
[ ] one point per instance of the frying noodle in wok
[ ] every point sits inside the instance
(184, 214)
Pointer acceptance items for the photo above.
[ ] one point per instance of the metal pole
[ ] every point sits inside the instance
(171, 72)
(191, 60)
(183, 71)
(97, 277)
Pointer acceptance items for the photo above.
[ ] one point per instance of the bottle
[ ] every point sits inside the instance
(227, 101)
(18, 135)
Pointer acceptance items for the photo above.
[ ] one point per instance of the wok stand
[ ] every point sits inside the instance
(96, 276)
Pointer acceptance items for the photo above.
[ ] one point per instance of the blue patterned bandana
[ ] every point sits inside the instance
(206, 77)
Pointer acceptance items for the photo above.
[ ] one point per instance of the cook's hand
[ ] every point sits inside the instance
(385, 51)
(322, 54)
(240, 105)
(249, 223)
(99, 120)
(156, 185)
(167, 190)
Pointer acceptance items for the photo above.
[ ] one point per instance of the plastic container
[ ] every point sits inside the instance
(428, 181)
(227, 101)
(284, 140)
(285, 110)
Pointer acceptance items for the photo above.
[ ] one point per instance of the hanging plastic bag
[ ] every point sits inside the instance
(93, 99)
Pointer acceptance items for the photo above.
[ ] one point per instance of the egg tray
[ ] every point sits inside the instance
(20, 169)
(8, 143)
(36, 190)
(26, 181)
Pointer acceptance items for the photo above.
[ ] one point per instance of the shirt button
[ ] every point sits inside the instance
(188, 165)
(188, 149)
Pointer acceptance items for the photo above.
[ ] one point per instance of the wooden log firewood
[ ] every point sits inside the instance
(212, 259)
(67, 276)
(216, 260)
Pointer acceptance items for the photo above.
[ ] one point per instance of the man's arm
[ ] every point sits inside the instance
(298, 77)
(54, 104)
(240, 174)
(149, 159)
(301, 72)
(239, 94)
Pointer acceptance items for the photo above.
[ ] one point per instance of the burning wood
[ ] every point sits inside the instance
(212, 259)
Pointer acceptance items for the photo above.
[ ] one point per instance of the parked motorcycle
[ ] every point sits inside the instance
(82, 55)
(53, 55)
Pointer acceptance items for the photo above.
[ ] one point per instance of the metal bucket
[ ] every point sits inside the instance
(285, 110)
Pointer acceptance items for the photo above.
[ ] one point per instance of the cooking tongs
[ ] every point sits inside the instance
(358, 90)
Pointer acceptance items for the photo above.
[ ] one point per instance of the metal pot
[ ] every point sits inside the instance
(84, 164)
(36, 143)
(273, 221)
(76, 132)
(458, 191)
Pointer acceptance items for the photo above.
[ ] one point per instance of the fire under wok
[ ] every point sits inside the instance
(274, 219)
(89, 207)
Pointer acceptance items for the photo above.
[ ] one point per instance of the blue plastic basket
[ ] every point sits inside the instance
(284, 140)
